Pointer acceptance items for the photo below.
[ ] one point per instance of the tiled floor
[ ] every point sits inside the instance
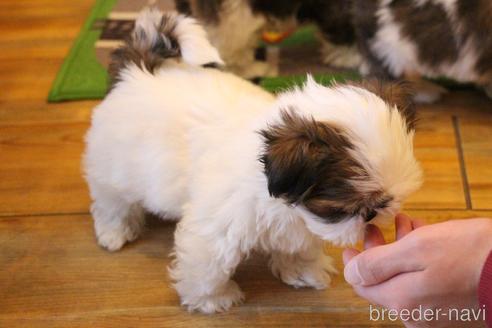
(53, 274)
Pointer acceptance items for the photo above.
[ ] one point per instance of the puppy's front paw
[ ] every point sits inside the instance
(114, 238)
(301, 273)
(219, 302)
(342, 57)
(111, 240)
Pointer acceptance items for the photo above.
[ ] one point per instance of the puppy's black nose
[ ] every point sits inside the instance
(371, 215)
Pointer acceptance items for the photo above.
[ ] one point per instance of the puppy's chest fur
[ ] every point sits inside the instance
(281, 230)
(227, 184)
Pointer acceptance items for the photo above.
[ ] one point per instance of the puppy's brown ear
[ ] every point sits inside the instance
(399, 94)
(301, 153)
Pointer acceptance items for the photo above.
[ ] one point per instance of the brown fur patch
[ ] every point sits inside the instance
(333, 17)
(308, 162)
(139, 50)
(399, 94)
(429, 27)
(476, 16)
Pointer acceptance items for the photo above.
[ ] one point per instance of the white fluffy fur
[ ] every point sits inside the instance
(236, 36)
(183, 143)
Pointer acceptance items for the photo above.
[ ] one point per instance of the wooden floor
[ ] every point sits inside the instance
(52, 273)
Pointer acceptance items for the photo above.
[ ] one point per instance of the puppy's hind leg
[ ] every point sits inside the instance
(306, 268)
(115, 220)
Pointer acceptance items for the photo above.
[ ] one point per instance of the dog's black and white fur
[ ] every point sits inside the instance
(430, 38)
(389, 39)
(242, 170)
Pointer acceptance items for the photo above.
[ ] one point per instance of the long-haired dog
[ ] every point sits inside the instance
(426, 38)
(234, 27)
(243, 170)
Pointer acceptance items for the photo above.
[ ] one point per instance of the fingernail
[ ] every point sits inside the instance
(351, 273)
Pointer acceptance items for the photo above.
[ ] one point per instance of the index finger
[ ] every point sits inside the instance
(373, 237)
(403, 225)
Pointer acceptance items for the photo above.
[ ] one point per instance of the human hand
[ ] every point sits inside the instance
(433, 267)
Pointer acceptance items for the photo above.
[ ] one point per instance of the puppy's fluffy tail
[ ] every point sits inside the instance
(159, 36)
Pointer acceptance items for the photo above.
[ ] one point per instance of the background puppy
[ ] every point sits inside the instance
(410, 39)
(243, 170)
(334, 20)
(235, 28)
(398, 39)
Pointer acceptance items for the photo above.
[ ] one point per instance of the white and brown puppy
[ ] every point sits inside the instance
(235, 27)
(431, 38)
(243, 170)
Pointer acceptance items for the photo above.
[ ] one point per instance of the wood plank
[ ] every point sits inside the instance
(53, 273)
(28, 111)
(40, 171)
(476, 133)
(176, 318)
(36, 36)
(473, 110)
(435, 148)
(46, 261)
(34, 20)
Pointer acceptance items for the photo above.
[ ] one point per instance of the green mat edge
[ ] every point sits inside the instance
(100, 10)
(284, 83)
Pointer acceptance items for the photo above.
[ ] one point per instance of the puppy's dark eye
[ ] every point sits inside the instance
(371, 215)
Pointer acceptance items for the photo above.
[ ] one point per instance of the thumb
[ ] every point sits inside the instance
(379, 264)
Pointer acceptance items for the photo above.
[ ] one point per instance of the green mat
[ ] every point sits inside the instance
(81, 76)
(277, 84)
